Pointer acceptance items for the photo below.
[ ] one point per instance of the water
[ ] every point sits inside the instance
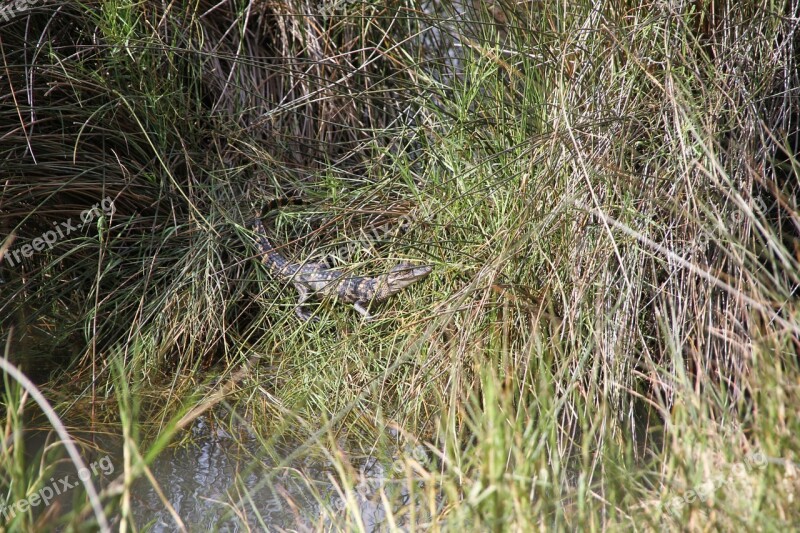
(206, 480)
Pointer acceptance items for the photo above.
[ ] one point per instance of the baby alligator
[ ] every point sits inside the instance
(315, 279)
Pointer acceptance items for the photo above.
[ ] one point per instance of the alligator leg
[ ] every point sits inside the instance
(361, 309)
(299, 309)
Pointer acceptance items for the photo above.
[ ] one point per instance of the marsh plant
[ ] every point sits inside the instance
(607, 192)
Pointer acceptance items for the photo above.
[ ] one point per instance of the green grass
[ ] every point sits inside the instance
(609, 336)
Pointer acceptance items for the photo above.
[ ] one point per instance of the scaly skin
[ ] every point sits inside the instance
(314, 279)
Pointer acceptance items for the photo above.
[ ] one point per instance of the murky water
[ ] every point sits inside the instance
(227, 483)
(219, 483)
(204, 480)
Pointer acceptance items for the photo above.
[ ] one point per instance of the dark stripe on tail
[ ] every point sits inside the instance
(275, 203)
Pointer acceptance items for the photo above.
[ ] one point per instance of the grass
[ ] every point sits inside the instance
(609, 337)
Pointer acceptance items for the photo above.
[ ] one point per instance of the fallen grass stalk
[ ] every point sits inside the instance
(63, 434)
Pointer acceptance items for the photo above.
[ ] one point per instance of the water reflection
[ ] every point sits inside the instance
(219, 483)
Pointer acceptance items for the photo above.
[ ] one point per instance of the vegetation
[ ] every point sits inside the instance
(608, 193)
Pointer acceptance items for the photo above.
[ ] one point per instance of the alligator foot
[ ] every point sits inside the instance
(364, 313)
(305, 315)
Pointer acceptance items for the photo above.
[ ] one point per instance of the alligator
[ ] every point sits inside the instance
(315, 279)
